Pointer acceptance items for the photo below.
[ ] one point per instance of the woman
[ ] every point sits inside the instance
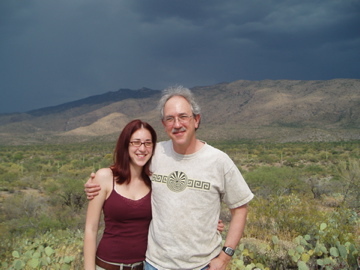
(125, 199)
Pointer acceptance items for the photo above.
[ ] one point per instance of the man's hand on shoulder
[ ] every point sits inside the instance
(91, 187)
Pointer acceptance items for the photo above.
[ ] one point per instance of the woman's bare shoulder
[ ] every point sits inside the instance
(104, 172)
(104, 176)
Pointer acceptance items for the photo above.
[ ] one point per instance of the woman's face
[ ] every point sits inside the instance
(141, 147)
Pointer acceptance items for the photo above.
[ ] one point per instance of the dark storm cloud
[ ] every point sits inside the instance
(58, 51)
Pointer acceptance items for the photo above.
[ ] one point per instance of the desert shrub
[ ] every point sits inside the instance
(271, 181)
(303, 253)
(52, 250)
(349, 174)
(316, 252)
(269, 158)
(285, 216)
(66, 192)
(22, 213)
(262, 254)
(290, 232)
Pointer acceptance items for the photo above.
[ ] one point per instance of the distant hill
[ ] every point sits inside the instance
(269, 110)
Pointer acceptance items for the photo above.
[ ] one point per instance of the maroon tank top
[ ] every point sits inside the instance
(126, 229)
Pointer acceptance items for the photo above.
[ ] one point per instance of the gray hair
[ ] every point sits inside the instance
(178, 91)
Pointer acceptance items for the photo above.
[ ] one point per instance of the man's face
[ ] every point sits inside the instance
(179, 121)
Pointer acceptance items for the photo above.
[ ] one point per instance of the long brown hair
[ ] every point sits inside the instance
(121, 157)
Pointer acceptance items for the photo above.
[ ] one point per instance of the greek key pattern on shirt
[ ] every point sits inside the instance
(178, 181)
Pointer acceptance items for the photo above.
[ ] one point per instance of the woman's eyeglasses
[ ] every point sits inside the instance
(138, 143)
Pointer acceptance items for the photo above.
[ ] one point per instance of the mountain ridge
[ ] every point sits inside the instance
(270, 110)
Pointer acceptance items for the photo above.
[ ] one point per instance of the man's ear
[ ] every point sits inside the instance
(197, 119)
(163, 123)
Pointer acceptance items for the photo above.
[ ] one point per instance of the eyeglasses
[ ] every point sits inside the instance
(138, 143)
(183, 119)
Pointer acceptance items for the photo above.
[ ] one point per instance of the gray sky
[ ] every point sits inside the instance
(52, 52)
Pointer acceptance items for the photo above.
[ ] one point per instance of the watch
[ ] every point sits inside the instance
(229, 251)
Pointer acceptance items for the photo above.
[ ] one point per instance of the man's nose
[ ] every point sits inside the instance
(177, 122)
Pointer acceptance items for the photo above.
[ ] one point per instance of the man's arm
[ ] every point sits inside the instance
(92, 188)
(236, 230)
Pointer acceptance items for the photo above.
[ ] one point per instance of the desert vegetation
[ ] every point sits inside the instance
(305, 214)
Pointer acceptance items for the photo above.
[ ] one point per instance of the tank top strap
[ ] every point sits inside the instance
(114, 181)
(114, 184)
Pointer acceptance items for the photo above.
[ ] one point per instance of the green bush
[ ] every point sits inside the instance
(272, 181)
(54, 250)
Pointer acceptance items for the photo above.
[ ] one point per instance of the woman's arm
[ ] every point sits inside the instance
(105, 179)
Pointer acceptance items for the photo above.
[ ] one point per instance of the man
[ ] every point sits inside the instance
(190, 178)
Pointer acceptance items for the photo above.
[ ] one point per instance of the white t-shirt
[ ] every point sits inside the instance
(186, 199)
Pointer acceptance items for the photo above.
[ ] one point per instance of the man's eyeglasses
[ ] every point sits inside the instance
(138, 143)
(183, 119)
